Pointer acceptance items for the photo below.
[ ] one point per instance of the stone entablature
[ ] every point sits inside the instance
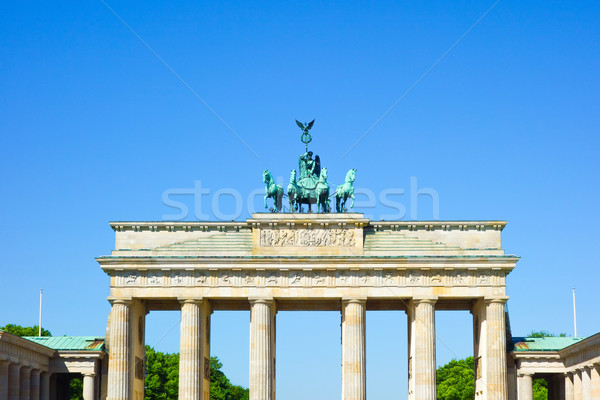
(23, 352)
(582, 354)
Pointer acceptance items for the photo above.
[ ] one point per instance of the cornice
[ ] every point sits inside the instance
(304, 220)
(510, 260)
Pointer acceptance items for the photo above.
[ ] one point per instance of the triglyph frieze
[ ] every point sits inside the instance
(307, 237)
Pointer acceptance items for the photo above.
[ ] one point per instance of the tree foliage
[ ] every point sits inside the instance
(76, 389)
(455, 380)
(162, 375)
(24, 330)
(162, 378)
(540, 389)
(541, 334)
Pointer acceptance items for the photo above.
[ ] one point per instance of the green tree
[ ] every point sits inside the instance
(455, 380)
(540, 389)
(162, 378)
(541, 334)
(220, 386)
(162, 375)
(76, 389)
(24, 330)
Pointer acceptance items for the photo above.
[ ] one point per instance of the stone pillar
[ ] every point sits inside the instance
(44, 386)
(559, 387)
(194, 350)
(25, 379)
(3, 379)
(354, 365)
(595, 371)
(35, 385)
(586, 384)
(119, 381)
(88, 387)
(262, 349)
(569, 395)
(511, 373)
(495, 348)
(525, 387)
(14, 377)
(577, 384)
(421, 361)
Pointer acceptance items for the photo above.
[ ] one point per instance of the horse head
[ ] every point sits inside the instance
(267, 176)
(351, 175)
(323, 176)
(293, 176)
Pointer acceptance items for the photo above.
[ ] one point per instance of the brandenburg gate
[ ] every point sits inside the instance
(293, 261)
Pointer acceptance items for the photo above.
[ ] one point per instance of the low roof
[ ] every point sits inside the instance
(69, 343)
(554, 343)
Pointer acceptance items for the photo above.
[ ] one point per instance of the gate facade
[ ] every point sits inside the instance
(274, 262)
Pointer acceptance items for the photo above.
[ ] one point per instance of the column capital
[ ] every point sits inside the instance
(190, 300)
(524, 374)
(424, 300)
(261, 300)
(90, 374)
(354, 300)
(495, 300)
(26, 368)
(120, 300)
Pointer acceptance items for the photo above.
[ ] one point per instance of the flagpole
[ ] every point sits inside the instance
(574, 314)
(40, 322)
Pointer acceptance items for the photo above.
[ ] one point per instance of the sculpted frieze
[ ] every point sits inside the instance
(307, 237)
(155, 278)
(353, 277)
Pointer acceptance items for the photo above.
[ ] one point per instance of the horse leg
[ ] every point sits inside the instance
(279, 200)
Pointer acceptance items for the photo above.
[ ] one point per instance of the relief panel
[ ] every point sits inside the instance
(307, 237)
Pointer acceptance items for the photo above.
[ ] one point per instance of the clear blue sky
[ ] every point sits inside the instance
(94, 128)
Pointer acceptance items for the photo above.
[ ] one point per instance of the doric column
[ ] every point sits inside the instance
(119, 382)
(595, 371)
(14, 379)
(586, 384)
(88, 387)
(3, 379)
(45, 386)
(354, 365)
(421, 344)
(525, 387)
(25, 379)
(193, 352)
(35, 385)
(577, 384)
(262, 349)
(569, 395)
(495, 346)
(559, 387)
